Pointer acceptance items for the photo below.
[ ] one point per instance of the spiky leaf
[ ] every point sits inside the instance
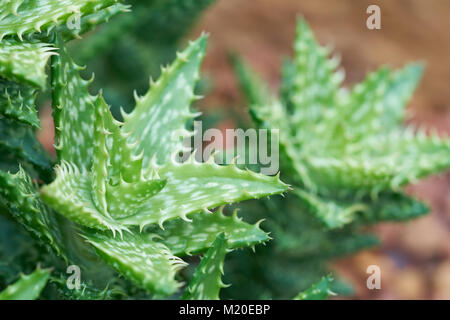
(17, 102)
(91, 21)
(71, 195)
(20, 141)
(190, 188)
(319, 291)
(118, 183)
(73, 111)
(392, 206)
(380, 162)
(160, 116)
(183, 237)
(254, 88)
(378, 103)
(387, 206)
(28, 287)
(25, 62)
(193, 186)
(149, 264)
(332, 213)
(9, 7)
(206, 281)
(316, 82)
(31, 16)
(23, 202)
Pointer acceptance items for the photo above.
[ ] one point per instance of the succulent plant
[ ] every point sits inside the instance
(119, 204)
(120, 196)
(346, 154)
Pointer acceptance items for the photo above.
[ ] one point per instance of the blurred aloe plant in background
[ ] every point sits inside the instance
(346, 154)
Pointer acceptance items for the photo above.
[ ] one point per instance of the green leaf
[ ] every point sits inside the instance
(9, 7)
(91, 21)
(115, 157)
(346, 155)
(265, 110)
(25, 62)
(319, 291)
(364, 108)
(381, 162)
(401, 88)
(73, 111)
(24, 204)
(183, 237)
(206, 281)
(71, 195)
(126, 199)
(149, 264)
(115, 187)
(31, 16)
(409, 154)
(288, 73)
(28, 287)
(160, 116)
(392, 206)
(387, 206)
(20, 141)
(316, 82)
(254, 88)
(17, 102)
(193, 186)
(118, 184)
(269, 112)
(100, 155)
(104, 38)
(332, 213)
(378, 103)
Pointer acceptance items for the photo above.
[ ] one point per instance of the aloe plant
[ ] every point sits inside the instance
(346, 154)
(206, 281)
(120, 200)
(118, 203)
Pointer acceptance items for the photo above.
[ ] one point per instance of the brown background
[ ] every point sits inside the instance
(415, 257)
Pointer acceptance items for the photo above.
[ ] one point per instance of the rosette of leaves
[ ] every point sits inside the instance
(118, 186)
(347, 155)
(124, 177)
(346, 150)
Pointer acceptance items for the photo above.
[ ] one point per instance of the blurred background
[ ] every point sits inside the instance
(415, 256)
